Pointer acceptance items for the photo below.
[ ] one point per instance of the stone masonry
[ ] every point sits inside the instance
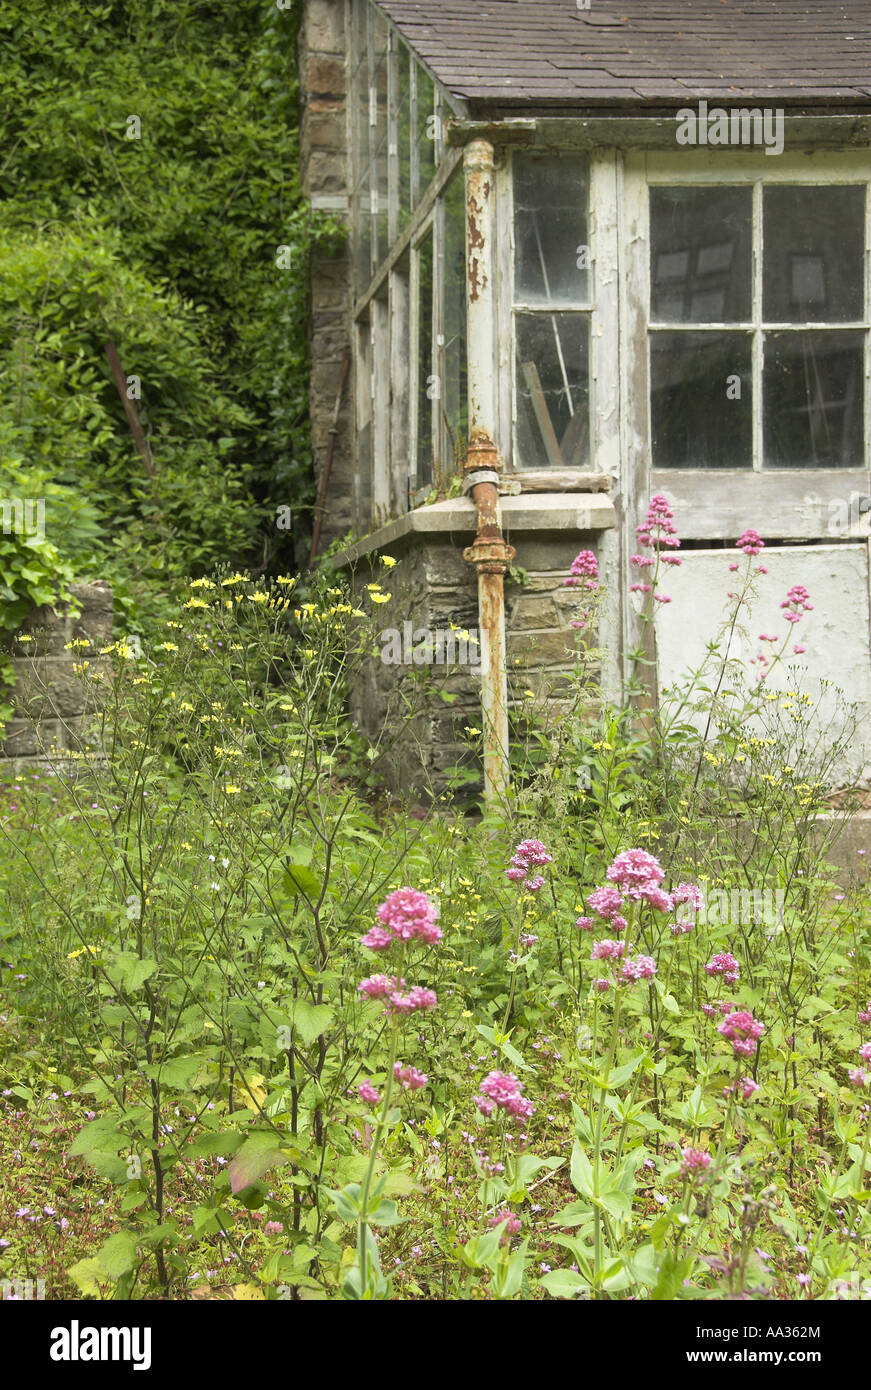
(50, 697)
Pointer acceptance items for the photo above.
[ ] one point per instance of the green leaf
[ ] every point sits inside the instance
(259, 1153)
(118, 1255)
(310, 1020)
(564, 1283)
(298, 879)
(582, 1174)
(86, 1275)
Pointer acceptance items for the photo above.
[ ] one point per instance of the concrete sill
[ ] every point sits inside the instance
(542, 511)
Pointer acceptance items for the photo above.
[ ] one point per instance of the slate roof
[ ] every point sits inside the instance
(619, 54)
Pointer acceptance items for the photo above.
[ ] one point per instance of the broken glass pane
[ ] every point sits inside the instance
(700, 400)
(814, 255)
(552, 379)
(700, 255)
(813, 400)
(551, 253)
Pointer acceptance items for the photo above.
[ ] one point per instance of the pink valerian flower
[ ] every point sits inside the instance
(654, 895)
(506, 1091)
(709, 1011)
(682, 928)
(688, 893)
(751, 542)
(605, 902)
(584, 570)
(366, 1091)
(529, 854)
(865, 1014)
(633, 868)
(585, 924)
(642, 562)
(528, 940)
(661, 598)
(725, 964)
(799, 650)
(694, 1163)
(410, 916)
(409, 1077)
(865, 1052)
(602, 986)
(416, 998)
(485, 1106)
(618, 923)
(746, 1086)
(742, 1030)
(797, 601)
(858, 1076)
(639, 589)
(512, 1223)
(608, 949)
(637, 968)
(377, 939)
(379, 986)
(658, 529)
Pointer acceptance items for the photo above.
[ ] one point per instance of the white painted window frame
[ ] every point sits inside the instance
(792, 502)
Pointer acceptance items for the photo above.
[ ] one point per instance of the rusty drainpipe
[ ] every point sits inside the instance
(489, 552)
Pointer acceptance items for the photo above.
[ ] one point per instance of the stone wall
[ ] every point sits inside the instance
(432, 586)
(50, 699)
(325, 182)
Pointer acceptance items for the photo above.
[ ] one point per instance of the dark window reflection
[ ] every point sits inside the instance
(812, 400)
(701, 416)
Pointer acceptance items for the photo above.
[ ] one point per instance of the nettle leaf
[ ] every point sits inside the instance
(130, 971)
(87, 1275)
(118, 1256)
(310, 1020)
(259, 1153)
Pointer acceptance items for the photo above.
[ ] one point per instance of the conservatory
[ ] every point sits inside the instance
(593, 257)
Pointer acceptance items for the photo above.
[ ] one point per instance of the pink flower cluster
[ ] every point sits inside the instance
(711, 1010)
(637, 968)
(725, 964)
(746, 1086)
(584, 570)
(512, 1223)
(694, 1163)
(503, 1090)
(366, 1091)
(409, 1077)
(865, 1014)
(658, 529)
(406, 915)
(751, 542)
(529, 854)
(742, 1030)
(638, 875)
(607, 949)
(796, 603)
(400, 999)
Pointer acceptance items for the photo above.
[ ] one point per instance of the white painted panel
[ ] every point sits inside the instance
(835, 633)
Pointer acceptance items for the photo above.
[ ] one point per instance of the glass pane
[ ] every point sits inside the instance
(361, 122)
(551, 255)
(812, 400)
(381, 202)
(701, 400)
(454, 389)
(360, 37)
(552, 376)
(403, 134)
(700, 259)
(363, 245)
(425, 133)
(425, 368)
(814, 255)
